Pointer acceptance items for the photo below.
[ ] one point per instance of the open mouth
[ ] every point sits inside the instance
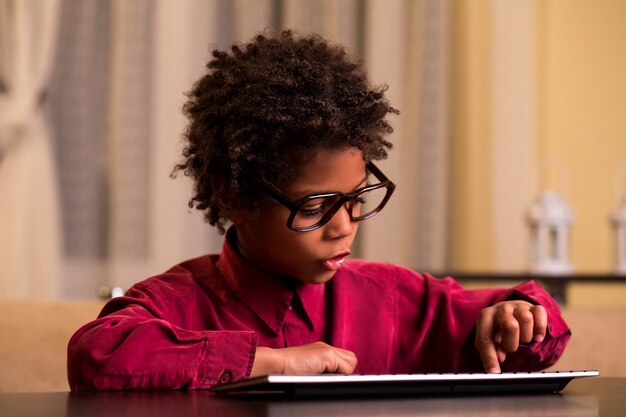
(336, 262)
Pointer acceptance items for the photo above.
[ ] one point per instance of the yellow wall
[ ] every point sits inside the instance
(583, 71)
(470, 244)
(580, 122)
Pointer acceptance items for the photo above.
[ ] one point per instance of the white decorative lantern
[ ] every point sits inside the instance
(619, 221)
(550, 219)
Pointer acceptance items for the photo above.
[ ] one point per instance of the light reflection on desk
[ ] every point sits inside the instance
(526, 405)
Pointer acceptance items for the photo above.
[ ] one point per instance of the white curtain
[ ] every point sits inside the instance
(116, 96)
(29, 214)
(128, 142)
(406, 47)
(122, 71)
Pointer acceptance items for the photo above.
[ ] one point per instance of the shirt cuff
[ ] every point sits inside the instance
(533, 293)
(229, 356)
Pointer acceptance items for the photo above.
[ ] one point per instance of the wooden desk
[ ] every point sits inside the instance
(587, 397)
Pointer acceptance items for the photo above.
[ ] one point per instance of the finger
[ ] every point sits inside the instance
(485, 341)
(501, 353)
(525, 319)
(347, 366)
(540, 323)
(349, 357)
(341, 362)
(333, 359)
(509, 327)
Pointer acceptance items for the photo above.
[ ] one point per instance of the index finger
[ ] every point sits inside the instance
(485, 341)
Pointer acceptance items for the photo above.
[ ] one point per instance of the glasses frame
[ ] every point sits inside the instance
(295, 205)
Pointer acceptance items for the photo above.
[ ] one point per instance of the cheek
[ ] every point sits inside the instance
(301, 243)
(296, 250)
(355, 228)
(271, 225)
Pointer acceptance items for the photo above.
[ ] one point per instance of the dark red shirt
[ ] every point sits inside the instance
(200, 323)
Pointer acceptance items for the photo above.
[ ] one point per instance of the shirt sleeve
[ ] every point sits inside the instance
(441, 332)
(133, 345)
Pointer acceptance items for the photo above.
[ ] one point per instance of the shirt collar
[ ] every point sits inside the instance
(312, 298)
(263, 293)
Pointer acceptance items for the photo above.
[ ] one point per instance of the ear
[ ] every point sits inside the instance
(234, 213)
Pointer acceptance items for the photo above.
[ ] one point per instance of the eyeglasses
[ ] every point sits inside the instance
(314, 211)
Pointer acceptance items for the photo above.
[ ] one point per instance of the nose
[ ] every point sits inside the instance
(340, 224)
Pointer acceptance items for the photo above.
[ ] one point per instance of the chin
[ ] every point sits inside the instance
(319, 278)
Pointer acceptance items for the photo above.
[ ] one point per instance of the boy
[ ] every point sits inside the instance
(282, 137)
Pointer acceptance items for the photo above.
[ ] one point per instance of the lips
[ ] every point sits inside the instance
(336, 262)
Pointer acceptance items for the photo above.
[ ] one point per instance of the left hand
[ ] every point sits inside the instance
(502, 327)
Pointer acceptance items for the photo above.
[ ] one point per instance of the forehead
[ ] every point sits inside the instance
(328, 170)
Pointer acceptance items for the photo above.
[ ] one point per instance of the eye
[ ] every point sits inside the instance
(312, 210)
(310, 213)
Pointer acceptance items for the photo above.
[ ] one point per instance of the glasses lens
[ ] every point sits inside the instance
(313, 211)
(317, 211)
(368, 203)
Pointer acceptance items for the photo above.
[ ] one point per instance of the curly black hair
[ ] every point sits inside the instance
(266, 107)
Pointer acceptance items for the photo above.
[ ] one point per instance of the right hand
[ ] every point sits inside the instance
(504, 326)
(314, 358)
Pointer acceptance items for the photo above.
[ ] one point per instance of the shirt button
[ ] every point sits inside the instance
(225, 377)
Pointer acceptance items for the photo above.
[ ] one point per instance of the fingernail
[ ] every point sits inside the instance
(538, 338)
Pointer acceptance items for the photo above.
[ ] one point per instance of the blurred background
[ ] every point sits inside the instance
(500, 101)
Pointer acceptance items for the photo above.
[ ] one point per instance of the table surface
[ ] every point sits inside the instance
(597, 396)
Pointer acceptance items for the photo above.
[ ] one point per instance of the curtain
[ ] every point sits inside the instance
(406, 47)
(121, 72)
(29, 213)
(119, 138)
(128, 143)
